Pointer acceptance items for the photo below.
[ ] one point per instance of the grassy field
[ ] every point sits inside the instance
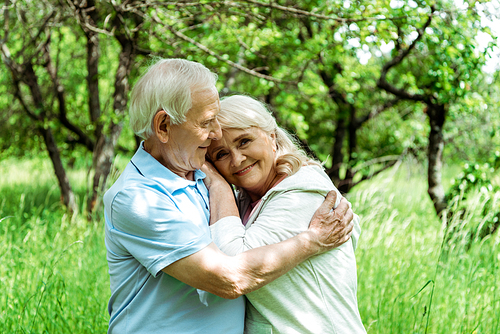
(54, 279)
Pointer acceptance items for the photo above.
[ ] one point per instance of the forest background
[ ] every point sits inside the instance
(399, 99)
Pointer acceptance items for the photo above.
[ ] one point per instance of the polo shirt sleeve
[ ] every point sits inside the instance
(149, 226)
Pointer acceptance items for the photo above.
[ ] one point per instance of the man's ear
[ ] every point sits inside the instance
(161, 126)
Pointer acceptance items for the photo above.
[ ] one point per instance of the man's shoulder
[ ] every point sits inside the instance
(130, 184)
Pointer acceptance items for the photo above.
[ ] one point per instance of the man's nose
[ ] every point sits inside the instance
(216, 131)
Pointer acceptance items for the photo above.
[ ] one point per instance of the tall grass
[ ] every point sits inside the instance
(53, 270)
(413, 279)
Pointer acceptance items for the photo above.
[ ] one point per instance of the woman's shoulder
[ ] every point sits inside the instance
(307, 178)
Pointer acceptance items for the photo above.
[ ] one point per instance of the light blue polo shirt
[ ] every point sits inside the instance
(153, 218)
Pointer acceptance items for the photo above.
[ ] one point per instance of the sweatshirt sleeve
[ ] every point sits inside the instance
(229, 235)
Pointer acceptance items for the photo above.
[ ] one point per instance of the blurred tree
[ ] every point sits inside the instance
(42, 48)
(322, 65)
(439, 64)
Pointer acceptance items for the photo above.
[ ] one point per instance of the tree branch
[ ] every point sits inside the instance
(402, 53)
(33, 39)
(296, 11)
(17, 94)
(212, 53)
(62, 115)
(375, 112)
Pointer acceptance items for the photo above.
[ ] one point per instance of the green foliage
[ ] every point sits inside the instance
(68, 54)
(474, 199)
(286, 46)
(298, 51)
(473, 177)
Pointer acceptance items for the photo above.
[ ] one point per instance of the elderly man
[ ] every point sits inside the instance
(167, 276)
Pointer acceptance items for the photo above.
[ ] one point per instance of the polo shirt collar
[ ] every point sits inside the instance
(152, 169)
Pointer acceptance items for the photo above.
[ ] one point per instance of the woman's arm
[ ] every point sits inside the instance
(230, 277)
(283, 217)
(230, 235)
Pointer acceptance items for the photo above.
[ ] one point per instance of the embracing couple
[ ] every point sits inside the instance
(186, 254)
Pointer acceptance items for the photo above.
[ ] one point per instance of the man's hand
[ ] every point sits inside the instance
(331, 229)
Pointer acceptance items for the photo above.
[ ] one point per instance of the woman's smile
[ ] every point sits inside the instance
(245, 170)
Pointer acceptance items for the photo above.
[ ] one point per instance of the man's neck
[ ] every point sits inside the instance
(155, 151)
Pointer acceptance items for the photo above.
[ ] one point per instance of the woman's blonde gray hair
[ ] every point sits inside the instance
(167, 85)
(241, 112)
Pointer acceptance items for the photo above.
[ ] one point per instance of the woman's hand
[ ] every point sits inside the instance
(331, 228)
(222, 203)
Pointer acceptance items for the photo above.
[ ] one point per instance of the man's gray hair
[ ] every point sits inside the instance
(167, 85)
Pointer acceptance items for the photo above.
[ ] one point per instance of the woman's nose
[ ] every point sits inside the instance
(237, 158)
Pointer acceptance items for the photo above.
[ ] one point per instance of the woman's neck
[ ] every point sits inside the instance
(257, 195)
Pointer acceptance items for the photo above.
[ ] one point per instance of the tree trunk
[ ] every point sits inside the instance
(66, 192)
(437, 114)
(337, 152)
(104, 152)
(31, 80)
(347, 183)
(93, 55)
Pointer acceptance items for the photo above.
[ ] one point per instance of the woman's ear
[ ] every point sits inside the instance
(161, 126)
(273, 141)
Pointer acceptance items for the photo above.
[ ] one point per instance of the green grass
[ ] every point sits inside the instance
(408, 280)
(53, 270)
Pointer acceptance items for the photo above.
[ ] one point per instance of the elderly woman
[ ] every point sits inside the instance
(279, 188)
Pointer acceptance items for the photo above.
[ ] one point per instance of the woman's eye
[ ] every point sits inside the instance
(220, 155)
(244, 142)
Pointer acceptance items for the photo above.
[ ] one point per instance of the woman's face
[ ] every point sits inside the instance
(246, 158)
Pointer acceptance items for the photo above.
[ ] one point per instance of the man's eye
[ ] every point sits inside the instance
(206, 124)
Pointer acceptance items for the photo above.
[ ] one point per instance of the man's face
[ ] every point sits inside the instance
(188, 141)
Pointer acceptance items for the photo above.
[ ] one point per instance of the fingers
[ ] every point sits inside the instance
(332, 227)
(343, 207)
(348, 219)
(329, 202)
(342, 229)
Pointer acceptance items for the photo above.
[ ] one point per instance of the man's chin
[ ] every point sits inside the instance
(198, 164)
